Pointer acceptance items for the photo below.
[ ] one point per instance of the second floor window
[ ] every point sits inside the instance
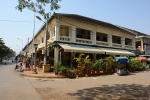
(128, 41)
(116, 39)
(82, 33)
(65, 31)
(101, 37)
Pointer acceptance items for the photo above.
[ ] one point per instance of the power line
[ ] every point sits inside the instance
(18, 21)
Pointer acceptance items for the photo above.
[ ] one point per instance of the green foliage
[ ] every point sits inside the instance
(98, 64)
(134, 62)
(57, 66)
(63, 69)
(82, 61)
(109, 62)
(38, 6)
(143, 65)
(5, 51)
(73, 70)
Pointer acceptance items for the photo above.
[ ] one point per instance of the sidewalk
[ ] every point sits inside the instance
(51, 74)
(41, 75)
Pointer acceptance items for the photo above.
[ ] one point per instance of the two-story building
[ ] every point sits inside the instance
(71, 34)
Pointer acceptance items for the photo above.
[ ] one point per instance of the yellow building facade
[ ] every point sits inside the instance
(71, 34)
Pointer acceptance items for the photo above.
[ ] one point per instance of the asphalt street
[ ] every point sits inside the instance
(15, 87)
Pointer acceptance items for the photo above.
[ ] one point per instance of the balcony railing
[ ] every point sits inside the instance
(85, 41)
(128, 47)
(65, 38)
(102, 43)
(116, 45)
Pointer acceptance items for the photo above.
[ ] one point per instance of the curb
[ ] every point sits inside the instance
(42, 76)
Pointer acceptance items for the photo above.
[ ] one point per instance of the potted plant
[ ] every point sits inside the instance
(57, 67)
(62, 70)
(134, 63)
(83, 64)
(109, 63)
(142, 66)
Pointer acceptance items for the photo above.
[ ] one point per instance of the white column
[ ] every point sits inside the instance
(56, 54)
(133, 44)
(142, 47)
(57, 27)
(73, 34)
(110, 39)
(93, 37)
(123, 42)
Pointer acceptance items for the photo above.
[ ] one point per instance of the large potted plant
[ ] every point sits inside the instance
(83, 63)
(109, 63)
(134, 63)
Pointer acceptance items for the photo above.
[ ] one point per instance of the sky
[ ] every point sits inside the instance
(132, 14)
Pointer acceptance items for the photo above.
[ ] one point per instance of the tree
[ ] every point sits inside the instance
(38, 6)
(4, 50)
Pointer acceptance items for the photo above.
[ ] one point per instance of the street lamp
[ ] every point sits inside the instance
(18, 47)
(21, 41)
(45, 41)
(34, 68)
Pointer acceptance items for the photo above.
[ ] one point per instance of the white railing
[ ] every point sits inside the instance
(102, 43)
(85, 41)
(128, 46)
(65, 38)
(116, 45)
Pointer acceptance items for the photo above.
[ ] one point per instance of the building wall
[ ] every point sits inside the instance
(54, 27)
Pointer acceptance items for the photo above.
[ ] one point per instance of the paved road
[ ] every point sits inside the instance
(13, 86)
(135, 86)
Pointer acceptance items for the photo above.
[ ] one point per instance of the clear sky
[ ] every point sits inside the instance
(132, 14)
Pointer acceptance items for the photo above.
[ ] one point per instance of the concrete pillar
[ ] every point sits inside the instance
(56, 54)
(57, 28)
(142, 47)
(123, 42)
(133, 44)
(93, 37)
(73, 34)
(110, 39)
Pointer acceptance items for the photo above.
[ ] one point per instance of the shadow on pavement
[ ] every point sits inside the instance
(116, 92)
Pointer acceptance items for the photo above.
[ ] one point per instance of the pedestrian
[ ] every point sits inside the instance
(27, 64)
(4, 62)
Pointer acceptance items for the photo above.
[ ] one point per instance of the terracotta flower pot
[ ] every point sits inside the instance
(56, 73)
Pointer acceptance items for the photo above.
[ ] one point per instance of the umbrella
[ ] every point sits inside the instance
(142, 58)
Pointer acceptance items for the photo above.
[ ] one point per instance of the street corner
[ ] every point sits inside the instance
(41, 75)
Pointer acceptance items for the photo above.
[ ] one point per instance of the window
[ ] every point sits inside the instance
(128, 41)
(101, 37)
(116, 39)
(82, 33)
(53, 31)
(64, 30)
